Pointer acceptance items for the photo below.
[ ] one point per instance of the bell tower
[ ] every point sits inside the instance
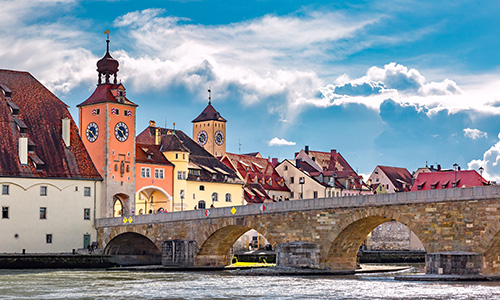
(107, 127)
(209, 130)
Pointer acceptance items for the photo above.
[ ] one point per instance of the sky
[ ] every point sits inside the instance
(395, 83)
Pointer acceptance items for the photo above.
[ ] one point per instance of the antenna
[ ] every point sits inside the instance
(239, 146)
(209, 95)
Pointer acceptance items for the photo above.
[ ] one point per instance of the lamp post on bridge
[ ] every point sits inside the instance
(481, 169)
(455, 168)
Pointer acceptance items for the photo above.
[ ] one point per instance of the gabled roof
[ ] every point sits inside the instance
(40, 113)
(198, 156)
(330, 164)
(400, 177)
(255, 169)
(446, 180)
(209, 113)
(150, 154)
(104, 93)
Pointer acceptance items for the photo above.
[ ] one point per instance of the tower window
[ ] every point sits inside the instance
(86, 213)
(48, 238)
(228, 197)
(43, 213)
(43, 191)
(86, 191)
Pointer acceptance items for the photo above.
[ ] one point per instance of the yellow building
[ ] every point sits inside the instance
(200, 180)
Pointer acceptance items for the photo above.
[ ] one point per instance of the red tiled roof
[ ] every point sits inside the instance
(445, 180)
(103, 94)
(41, 112)
(150, 154)
(397, 176)
(173, 139)
(209, 113)
(255, 170)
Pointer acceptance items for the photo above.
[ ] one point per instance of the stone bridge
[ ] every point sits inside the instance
(460, 219)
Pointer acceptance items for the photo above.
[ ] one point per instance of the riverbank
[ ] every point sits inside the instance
(55, 261)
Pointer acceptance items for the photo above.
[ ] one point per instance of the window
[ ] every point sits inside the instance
(145, 172)
(202, 187)
(301, 196)
(291, 195)
(286, 168)
(159, 174)
(86, 191)
(201, 204)
(86, 213)
(43, 190)
(315, 194)
(5, 189)
(215, 197)
(176, 155)
(48, 238)
(43, 213)
(5, 212)
(291, 179)
(228, 197)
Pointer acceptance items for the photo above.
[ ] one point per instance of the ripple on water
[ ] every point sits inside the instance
(98, 284)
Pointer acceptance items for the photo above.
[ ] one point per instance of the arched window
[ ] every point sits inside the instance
(201, 204)
(228, 197)
(215, 197)
(202, 187)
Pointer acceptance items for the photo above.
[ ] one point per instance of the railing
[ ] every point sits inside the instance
(431, 196)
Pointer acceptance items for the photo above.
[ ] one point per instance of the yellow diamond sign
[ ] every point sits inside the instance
(233, 210)
(130, 219)
(124, 220)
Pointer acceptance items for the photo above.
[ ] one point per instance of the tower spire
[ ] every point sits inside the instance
(107, 66)
(209, 95)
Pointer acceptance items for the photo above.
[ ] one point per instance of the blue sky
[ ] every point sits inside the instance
(396, 83)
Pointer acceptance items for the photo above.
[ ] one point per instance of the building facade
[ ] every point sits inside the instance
(50, 187)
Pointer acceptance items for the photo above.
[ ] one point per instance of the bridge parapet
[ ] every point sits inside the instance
(432, 196)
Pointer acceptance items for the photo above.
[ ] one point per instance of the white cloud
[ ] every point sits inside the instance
(474, 133)
(490, 163)
(280, 142)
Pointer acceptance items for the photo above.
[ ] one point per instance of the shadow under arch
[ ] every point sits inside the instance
(132, 248)
(216, 249)
(342, 253)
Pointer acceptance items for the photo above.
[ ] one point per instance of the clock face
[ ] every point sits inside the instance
(121, 131)
(92, 132)
(219, 137)
(202, 137)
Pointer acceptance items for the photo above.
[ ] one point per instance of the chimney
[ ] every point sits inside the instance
(333, 152)
(298, 161)
(23, 150)
(439, 168)
(157, 136)
(274, 161)
(66, 129)
(306, 149)
(152, 123)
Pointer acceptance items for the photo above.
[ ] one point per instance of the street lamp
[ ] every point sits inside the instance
(301, 182)
(455, 167)
(481, 169)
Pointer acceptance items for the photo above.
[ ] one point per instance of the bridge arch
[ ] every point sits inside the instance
(342, 247)
(132, 248)
(216, 242)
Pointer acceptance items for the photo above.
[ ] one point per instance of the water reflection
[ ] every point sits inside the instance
(99, 284)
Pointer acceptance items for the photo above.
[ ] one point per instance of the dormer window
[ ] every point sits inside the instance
(6, 90)
(21, 126)
(14, 109)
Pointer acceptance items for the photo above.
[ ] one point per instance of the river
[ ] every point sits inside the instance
(101, 284)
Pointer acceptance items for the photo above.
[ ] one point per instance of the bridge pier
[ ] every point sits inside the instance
(298, 255)
(178, 253)
(454, 263)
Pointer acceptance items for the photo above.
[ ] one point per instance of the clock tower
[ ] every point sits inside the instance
(209, 130)
(107, 127)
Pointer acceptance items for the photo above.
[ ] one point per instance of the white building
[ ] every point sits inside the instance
(49, 185)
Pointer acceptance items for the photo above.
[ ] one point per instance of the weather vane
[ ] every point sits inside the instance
(107, 33)
(209, 95)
